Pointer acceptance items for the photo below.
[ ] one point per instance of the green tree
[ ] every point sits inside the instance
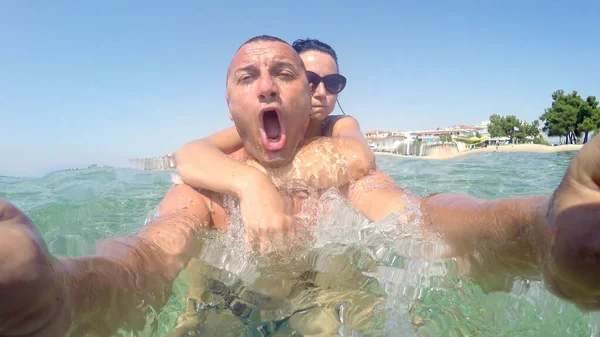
(586, 127)
(533, 129)
(511, 126)
(496, 128)
(596, 120)
(561, 118)
(446, 138)
(571, 116)
(587, 119)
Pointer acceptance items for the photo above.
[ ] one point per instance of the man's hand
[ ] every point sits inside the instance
(265, 213)
(572, 267)
(33, 300)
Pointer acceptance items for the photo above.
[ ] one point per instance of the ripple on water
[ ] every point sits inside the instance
(357, 277)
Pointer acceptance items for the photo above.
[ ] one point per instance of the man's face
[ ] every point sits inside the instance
(269, 100)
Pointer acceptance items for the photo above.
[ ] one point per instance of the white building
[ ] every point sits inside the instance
(482, 128)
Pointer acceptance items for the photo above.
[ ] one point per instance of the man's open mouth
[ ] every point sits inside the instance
(272, 126)
(272, 133)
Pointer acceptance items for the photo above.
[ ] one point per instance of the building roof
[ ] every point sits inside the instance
(463, 127)
(435, 132)
(376, 132)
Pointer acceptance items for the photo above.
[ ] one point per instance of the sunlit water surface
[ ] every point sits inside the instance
(349, 277)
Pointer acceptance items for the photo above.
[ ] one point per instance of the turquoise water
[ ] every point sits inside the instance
(75, 209)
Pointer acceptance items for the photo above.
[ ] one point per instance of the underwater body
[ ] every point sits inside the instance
(350, 277)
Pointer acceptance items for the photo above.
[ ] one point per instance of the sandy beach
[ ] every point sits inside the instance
(452, 152)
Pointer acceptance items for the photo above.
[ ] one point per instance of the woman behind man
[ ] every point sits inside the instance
(205, 163)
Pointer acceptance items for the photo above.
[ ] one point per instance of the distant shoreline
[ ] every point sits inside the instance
(451, 152)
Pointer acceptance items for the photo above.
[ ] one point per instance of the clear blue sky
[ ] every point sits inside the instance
(100, 82)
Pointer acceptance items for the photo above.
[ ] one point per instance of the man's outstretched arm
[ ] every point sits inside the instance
(133, 273)
(510, 236)
(113, 288)
(557, 237)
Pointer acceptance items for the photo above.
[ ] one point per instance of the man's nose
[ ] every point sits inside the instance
(267, 88)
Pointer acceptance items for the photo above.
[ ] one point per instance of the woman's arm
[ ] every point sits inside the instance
(348, 127)
(204, 163)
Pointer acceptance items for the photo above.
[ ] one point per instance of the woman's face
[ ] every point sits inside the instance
(321, 64)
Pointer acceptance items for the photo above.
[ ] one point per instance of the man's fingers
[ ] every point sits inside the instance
(250, 238)
(260, 236)
(275, 233)
(271, 235)
(291, 225)
(266, 233)
(265, 239)
(279, 231)
(252, 234)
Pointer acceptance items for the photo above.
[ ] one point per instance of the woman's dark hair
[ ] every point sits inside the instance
(300, 46)
(311, 44)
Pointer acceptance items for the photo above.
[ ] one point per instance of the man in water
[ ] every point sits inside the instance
(556, 237)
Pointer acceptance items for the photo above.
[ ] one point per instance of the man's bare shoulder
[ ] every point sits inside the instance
(239, 155)
(183, 198)
(325, 162)
(202, 204)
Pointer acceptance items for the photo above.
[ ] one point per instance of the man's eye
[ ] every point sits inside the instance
(287, 74)
(244, 78)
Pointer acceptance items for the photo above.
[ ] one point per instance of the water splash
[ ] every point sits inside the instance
(349, 262)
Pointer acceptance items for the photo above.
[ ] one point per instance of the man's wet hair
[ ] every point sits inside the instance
(263, 38)
(301, 46)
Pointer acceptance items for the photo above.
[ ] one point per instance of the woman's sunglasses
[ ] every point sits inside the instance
(334, 83)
